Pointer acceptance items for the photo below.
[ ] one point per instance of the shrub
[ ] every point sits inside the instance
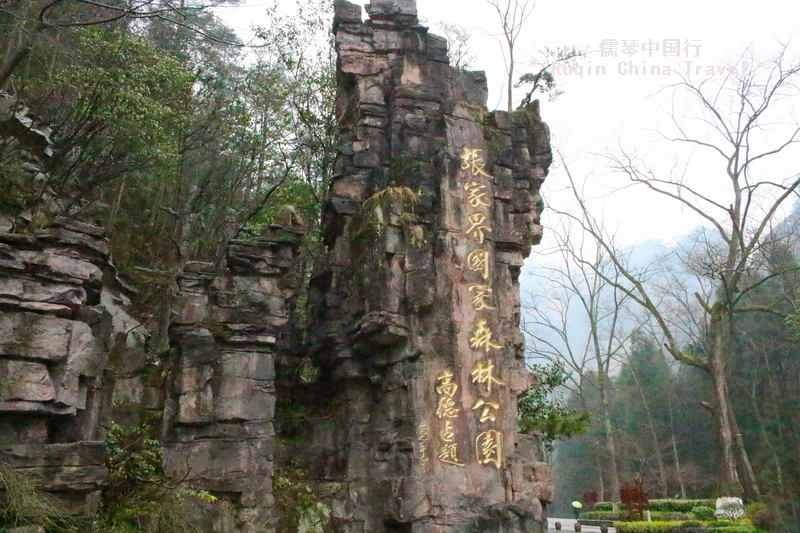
(622, 515)
(604, 506)
(650, 527)
(605, 515)
(139, 491)
(726, 526)
(691, 523)
(762, 515)
(683, 527)
(701, 512)
(680, 506)
(669, 516)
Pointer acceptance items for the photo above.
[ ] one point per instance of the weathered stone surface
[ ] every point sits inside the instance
(77, 467)
(25, 381)
(225, 331)
(380, 9)
(345, 11)
(61, 315)
(390, 324)
(33, 336)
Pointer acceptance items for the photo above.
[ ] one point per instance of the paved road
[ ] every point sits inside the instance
(568, 526)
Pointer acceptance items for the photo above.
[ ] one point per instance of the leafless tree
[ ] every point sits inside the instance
(458, 49)
(574, 293)
(742, 120)
(512, 14)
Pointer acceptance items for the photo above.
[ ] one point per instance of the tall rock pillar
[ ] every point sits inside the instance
(225, 331)
(434, 206)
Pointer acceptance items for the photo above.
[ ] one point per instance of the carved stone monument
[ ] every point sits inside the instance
(433, 208)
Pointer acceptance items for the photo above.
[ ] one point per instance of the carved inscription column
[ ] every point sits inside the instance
(412, 425)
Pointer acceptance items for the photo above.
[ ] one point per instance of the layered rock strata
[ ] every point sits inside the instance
(61, 315)
(225, 333)
(433, 208)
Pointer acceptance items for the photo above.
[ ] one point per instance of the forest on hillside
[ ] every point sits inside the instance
(166, 129)
(157, 122)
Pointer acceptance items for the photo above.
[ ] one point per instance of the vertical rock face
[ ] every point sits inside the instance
(61, 314)
(225, 329)
(434, 206)
(404, 411)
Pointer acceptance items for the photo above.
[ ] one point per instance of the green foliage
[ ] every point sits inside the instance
(605, 515)
(682, 527)
(670, 516)
(300, 507)
(604, 506)
(541, 410)
(733, 528)
(174, 141)
(648, 527)
(120, 104)
(701, 512)
(683, 506)
(133, 453)
(139, 496)
(376, 211)
(622, 515)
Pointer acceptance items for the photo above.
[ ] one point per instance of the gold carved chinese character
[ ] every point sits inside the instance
(423, 434)
(446, 389)
(477, 228)
(480, 293)
(448, 434)
(483, 374)
(487, 414)
(472, 161)
(446, 408)
(478, 261)
(482, 337)
(446, 385)
(476, 197)
(489, 448)
(448, 453)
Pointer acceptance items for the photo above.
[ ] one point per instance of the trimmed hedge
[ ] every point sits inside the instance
(622, 516)
(656, 527)
(701, 512)
(605, 515)
(670, 516)
(604, 506)
(681, 506)
(667, 505)
(684, 527)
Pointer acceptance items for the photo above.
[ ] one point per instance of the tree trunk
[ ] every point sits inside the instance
(675, 456)
(610, 443)
(752, 490)
(730, 474)
(12, 63)
(510, 77)
(662, 471)
(601, 478)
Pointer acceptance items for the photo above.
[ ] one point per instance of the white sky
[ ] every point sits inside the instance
(597, 110)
